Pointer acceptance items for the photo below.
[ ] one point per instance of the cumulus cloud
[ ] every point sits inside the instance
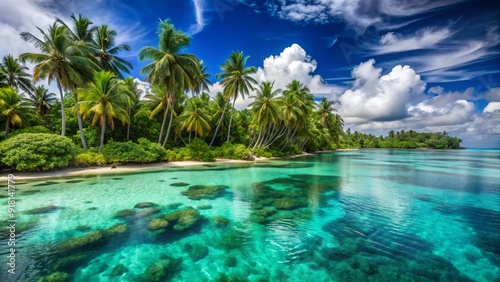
(292, 63)
(492, 107)
(493, 95)
(377, 97)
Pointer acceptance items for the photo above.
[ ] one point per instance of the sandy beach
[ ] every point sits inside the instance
(128, 168)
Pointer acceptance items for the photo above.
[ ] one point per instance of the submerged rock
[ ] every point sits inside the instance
(125, 213)
(94, 238)
(83, 228)
(55, 277)
(197, 192)
(164, 270)
(179, 184)
(116, 229)
(230, 261)
(70, 263)
(220, 221)
(147, 212)
(40, 210)
(119, 270)
(31, 192)
(183, 219)
(289, 203)
(144, 205)
(157, 223)
(204, 207)
(196, 251)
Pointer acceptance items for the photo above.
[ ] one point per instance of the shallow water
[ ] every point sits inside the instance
(368, 215)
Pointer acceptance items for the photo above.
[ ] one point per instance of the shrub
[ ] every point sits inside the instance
(34, 129)
(200, 151)
(154, 149)
(144, 152)
(37, 151)
(90, 158)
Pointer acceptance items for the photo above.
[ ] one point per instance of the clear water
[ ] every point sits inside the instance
(368, 215)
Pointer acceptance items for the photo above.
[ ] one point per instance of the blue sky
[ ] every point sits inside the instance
(388, 65)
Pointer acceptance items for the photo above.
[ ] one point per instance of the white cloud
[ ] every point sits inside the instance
(358, 14)
(493, 95)
(292, 63)
(492, 107)
(380, 97)
(200, 20)
(422, 39)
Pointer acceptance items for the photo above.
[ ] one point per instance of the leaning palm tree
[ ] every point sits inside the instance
(170, 69)
(157, 101)
(42, 100)
(267, 110)
(106, 98)
(59, 61)
(13, 74)
(106, 51)
(195, 117)
(15, 108)
(236, 80)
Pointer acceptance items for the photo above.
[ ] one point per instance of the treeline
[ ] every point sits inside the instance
(109, 119)
(400, 140)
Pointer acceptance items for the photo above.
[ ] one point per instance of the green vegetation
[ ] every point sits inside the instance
(111, 120)
(400, 140)
(37, 151)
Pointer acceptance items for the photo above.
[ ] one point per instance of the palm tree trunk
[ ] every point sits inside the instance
(163, 124)
(63, 113)
(169, 126)
(80, 128)
(7, 128)
(80, 125)
(128, 125)
(221, 119)
(189, 137)
(170, 122)
(231, 120)
(103, 129)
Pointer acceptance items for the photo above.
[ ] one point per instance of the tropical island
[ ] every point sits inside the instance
(101, 117)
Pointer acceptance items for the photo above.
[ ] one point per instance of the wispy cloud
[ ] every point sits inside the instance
(357, 14)
(422, 39)
(200, 20)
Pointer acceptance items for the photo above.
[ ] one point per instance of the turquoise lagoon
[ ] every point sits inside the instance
(367, 215)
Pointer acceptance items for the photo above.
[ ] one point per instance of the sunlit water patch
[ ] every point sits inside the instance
(368, 215)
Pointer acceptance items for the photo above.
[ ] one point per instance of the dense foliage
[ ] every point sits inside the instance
(37, 151)
(400, 140)
(102, 111)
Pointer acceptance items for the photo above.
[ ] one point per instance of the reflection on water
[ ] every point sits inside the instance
(371, 215)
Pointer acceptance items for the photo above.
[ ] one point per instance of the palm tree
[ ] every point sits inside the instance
(59, 60)
(42, 100)
(157, 101)
(14, 107)
(267, 109)
(81, 36)
(201, 81)
(14, 74)
(327, 119)
(105, 51)
(106, 98)
(170, 69)
(195, 118)
(236, 80)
